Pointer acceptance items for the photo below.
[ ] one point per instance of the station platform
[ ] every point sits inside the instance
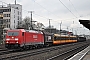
(83, 55)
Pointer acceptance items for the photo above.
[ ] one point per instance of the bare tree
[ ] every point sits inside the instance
(25, 23)
(40, 26)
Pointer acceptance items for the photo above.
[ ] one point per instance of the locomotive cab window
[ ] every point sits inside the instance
(13, 33)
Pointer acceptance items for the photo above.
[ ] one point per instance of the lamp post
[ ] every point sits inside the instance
(60, 27)
(49, 26)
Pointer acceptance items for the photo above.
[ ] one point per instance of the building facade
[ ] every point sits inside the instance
(10, 16)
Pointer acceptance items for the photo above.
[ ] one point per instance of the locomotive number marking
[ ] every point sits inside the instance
(34, 36)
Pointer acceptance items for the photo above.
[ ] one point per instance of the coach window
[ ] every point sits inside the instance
(61, 38)
(70, 38)
(74, 38)
(67, 38)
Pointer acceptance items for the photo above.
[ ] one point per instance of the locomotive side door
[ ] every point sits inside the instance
(23, 37)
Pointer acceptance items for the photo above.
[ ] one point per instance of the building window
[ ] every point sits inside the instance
(14, 11)
(1, 21)
(18, 22)
(1, 15)
(18, 17)
(14, 21)
(14, 26)
(5, 15)
(1, 10)
(8, 15)
(9, 26)
(9, 10)
(6, 10)
(4, 21)
(18, 12)
(8, 20)
(14, 16)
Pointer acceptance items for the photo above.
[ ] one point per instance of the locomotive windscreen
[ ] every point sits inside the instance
(13, 33)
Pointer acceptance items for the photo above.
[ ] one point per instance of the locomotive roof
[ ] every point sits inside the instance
(34, 31)
(23, 30)
(17, 30)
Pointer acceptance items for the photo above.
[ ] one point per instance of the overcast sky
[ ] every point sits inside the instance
(67, 11)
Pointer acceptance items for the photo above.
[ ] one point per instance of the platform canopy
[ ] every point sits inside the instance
(85, 23)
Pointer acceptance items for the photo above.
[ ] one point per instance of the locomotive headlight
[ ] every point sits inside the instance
(16, 38)
(7, 39)
(17, 42)
(7, 42)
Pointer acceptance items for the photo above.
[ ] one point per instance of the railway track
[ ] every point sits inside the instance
(24, 54)
(3, 52)
(2, 46)
(67, 54)
(3, 49)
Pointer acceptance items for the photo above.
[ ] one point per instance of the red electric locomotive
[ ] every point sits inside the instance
(20, 38)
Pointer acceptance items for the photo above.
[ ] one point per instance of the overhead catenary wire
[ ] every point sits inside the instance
(44, 8)
(67, 8)
(46, 17)
(69, 19)
(74, 8)
(36, 14)
(47, 10)
(55, 15)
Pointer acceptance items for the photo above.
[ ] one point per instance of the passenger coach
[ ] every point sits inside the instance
(60, 39)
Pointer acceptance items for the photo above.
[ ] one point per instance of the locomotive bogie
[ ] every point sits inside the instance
(12, 46)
